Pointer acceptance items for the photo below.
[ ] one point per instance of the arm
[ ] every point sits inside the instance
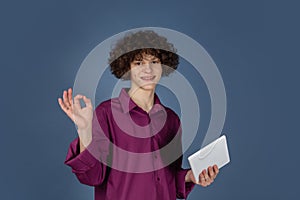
(85, 166)
(183, 187)
(185, 180)
(81, 116)
(82, 155)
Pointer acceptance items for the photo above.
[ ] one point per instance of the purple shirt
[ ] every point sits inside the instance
(152, 168)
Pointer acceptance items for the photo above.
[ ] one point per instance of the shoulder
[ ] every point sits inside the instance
(170, 111)
(103, 106)
(173, 122)
(107, 105)
(172, 115)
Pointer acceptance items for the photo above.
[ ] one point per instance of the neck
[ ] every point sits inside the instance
(143, 98)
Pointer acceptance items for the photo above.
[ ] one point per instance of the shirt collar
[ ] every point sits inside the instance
(128, 104)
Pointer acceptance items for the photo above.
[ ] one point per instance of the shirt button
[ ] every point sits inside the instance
(158, 178)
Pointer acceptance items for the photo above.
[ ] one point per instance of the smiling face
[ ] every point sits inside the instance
(145, 72)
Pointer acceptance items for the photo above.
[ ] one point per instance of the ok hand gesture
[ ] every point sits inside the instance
(81, 116)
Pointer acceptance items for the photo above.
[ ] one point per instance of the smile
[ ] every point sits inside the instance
(148, 78)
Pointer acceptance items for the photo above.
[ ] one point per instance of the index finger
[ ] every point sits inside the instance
(87, 102)
(77, 101)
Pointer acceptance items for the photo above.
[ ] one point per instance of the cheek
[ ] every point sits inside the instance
(159, 71)
(132, 72)
(134, 75)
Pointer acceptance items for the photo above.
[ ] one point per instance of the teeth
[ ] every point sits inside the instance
(148, 78)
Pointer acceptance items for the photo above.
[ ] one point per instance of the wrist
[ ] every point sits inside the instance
(188, 176)
(85, 137)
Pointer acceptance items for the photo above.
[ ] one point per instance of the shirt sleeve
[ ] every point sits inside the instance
(88, 166)
(182, 188)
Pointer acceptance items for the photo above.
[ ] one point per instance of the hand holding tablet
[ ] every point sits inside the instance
(215, 153)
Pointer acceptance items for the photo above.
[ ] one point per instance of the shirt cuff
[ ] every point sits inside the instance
(79, 161)
(183, 188)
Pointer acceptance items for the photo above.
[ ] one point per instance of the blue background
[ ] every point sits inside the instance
(255, 45)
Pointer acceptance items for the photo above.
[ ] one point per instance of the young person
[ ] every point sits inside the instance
(135, 122)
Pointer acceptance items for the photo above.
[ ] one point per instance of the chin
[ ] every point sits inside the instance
(149, 86)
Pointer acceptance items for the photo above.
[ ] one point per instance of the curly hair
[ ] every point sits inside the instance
(134, 45)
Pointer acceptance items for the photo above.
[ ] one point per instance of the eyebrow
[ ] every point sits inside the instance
(151, 59)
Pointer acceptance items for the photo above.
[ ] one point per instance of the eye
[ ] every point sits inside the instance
(155, 62)
(137, 63)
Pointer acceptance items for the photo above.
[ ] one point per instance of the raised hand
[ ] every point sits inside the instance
(206, 177)
(81, 116)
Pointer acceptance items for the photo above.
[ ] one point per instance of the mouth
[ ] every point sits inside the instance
(148, 78)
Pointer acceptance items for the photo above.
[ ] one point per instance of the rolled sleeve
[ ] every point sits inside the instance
(183, 188)
(79, 161)
(86, 167)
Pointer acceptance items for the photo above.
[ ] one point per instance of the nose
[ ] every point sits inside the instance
(147, 67)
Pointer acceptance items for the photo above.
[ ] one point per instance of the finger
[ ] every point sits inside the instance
(201, 179)
(207, 178)
(216, 169)
(88, 102)
(61, 104)
(65, 108)
(70, 96)
(66, 100)
(211, 172)
(77, 101)
(68, 111)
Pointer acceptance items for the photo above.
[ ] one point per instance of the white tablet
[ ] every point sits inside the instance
(215, 153)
